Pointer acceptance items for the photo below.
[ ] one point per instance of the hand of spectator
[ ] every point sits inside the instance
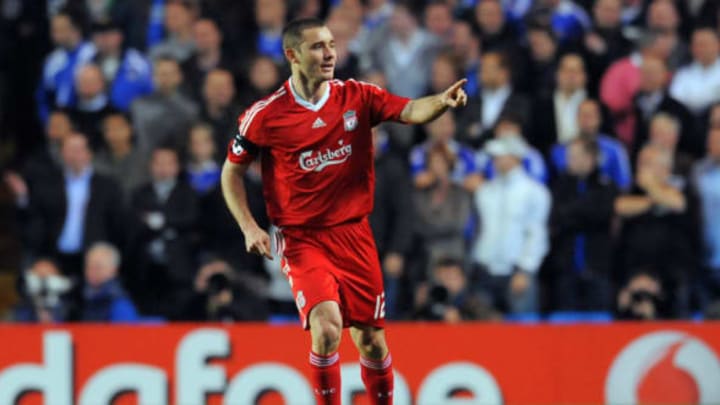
(473, 182)
(424, 179)
(452, 315)
(519, 282)
(16, 184)
(257, 241)
(595, 43)
(393, 264)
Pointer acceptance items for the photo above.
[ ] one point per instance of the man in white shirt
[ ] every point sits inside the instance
(513, 239)
(697, 85)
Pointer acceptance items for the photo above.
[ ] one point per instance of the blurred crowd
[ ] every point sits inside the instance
(582, 177)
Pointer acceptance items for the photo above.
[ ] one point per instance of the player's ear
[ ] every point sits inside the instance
(291, 54)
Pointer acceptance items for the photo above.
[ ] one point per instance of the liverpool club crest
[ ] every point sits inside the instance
(351, 120)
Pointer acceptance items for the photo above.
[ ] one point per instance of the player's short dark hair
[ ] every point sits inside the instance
(292, 33)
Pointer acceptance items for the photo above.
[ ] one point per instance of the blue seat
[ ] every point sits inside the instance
(579, 317)
(283, 319)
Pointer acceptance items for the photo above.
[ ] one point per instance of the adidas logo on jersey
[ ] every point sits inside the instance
(319, 123)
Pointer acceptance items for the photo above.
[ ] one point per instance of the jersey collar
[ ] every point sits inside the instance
(304, 103)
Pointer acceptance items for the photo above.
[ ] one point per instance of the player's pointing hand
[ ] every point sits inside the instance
(455, 96)
(257, 241)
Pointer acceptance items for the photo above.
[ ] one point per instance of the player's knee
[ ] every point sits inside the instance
(371, 344)
(326, 337)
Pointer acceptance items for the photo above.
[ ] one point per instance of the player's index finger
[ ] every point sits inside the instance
(458, 84)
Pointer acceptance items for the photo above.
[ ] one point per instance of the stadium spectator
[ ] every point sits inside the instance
(127, 72)
(270, 17)
(150, 113)
(642, 298)
(442, 132)
(44, 294)
(659, 230)
(92, 104)
(538, 78)
(665, 133)
(179, 42)
(663, 17)
(582, 212)
(706, 178)
(496, 33)
(605, 42)
(73, 208)
(497, 97)
(443, 208)
(56, 88)
(438, 20)
(219, 109)
(392, 221)
(103, 297)
(567, 19)
(448, 297)
(444, 73)
(404, 52)
(653, 98)
(164, 215)
(264, 77)
(555, 117)
(207, 57)
(202, 169)
(613, 158)
(465, 49)
(345, 28)
(533, 163)
(512, 241)
(221, 294)
(696, 84)
(621, 81)
(121, 159)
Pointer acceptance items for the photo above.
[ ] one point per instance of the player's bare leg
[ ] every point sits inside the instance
(375, 363)
(326, 329)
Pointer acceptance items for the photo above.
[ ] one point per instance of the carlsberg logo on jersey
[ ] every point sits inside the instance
(312, 161)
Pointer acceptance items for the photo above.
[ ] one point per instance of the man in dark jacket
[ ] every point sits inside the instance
(73, 208)
(103, 297)
(164, 214)
(580, 227)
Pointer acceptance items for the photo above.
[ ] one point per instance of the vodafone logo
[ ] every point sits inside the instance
(664, 367)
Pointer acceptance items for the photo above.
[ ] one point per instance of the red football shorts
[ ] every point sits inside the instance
(338, 263)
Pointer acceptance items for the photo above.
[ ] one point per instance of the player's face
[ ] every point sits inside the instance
(316, 56)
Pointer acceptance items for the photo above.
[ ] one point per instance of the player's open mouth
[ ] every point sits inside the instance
(327, 67)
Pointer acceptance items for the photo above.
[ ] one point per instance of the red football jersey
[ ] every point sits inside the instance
(317, 159)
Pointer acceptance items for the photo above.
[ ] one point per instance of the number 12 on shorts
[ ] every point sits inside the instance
(380, 306)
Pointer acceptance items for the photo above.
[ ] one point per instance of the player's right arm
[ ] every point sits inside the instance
(233, 186)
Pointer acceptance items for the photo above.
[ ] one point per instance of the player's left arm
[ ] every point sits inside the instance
(426, 109)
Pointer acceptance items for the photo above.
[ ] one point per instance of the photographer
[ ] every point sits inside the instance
(642, 298)
(222, 295)
(44, 294)
(447, 298)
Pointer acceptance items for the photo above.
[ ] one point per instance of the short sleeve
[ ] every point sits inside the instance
(384, 106)
(246, 144)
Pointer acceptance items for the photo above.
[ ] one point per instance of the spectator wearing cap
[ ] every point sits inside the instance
(613, 159)
(581, 258)
(512, 241)
(57, 88)
(532, 161)
(706, 178)
(127, 72)
(103, 298)
(697, 85)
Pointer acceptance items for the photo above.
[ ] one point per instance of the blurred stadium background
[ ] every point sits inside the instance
(114, 121)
